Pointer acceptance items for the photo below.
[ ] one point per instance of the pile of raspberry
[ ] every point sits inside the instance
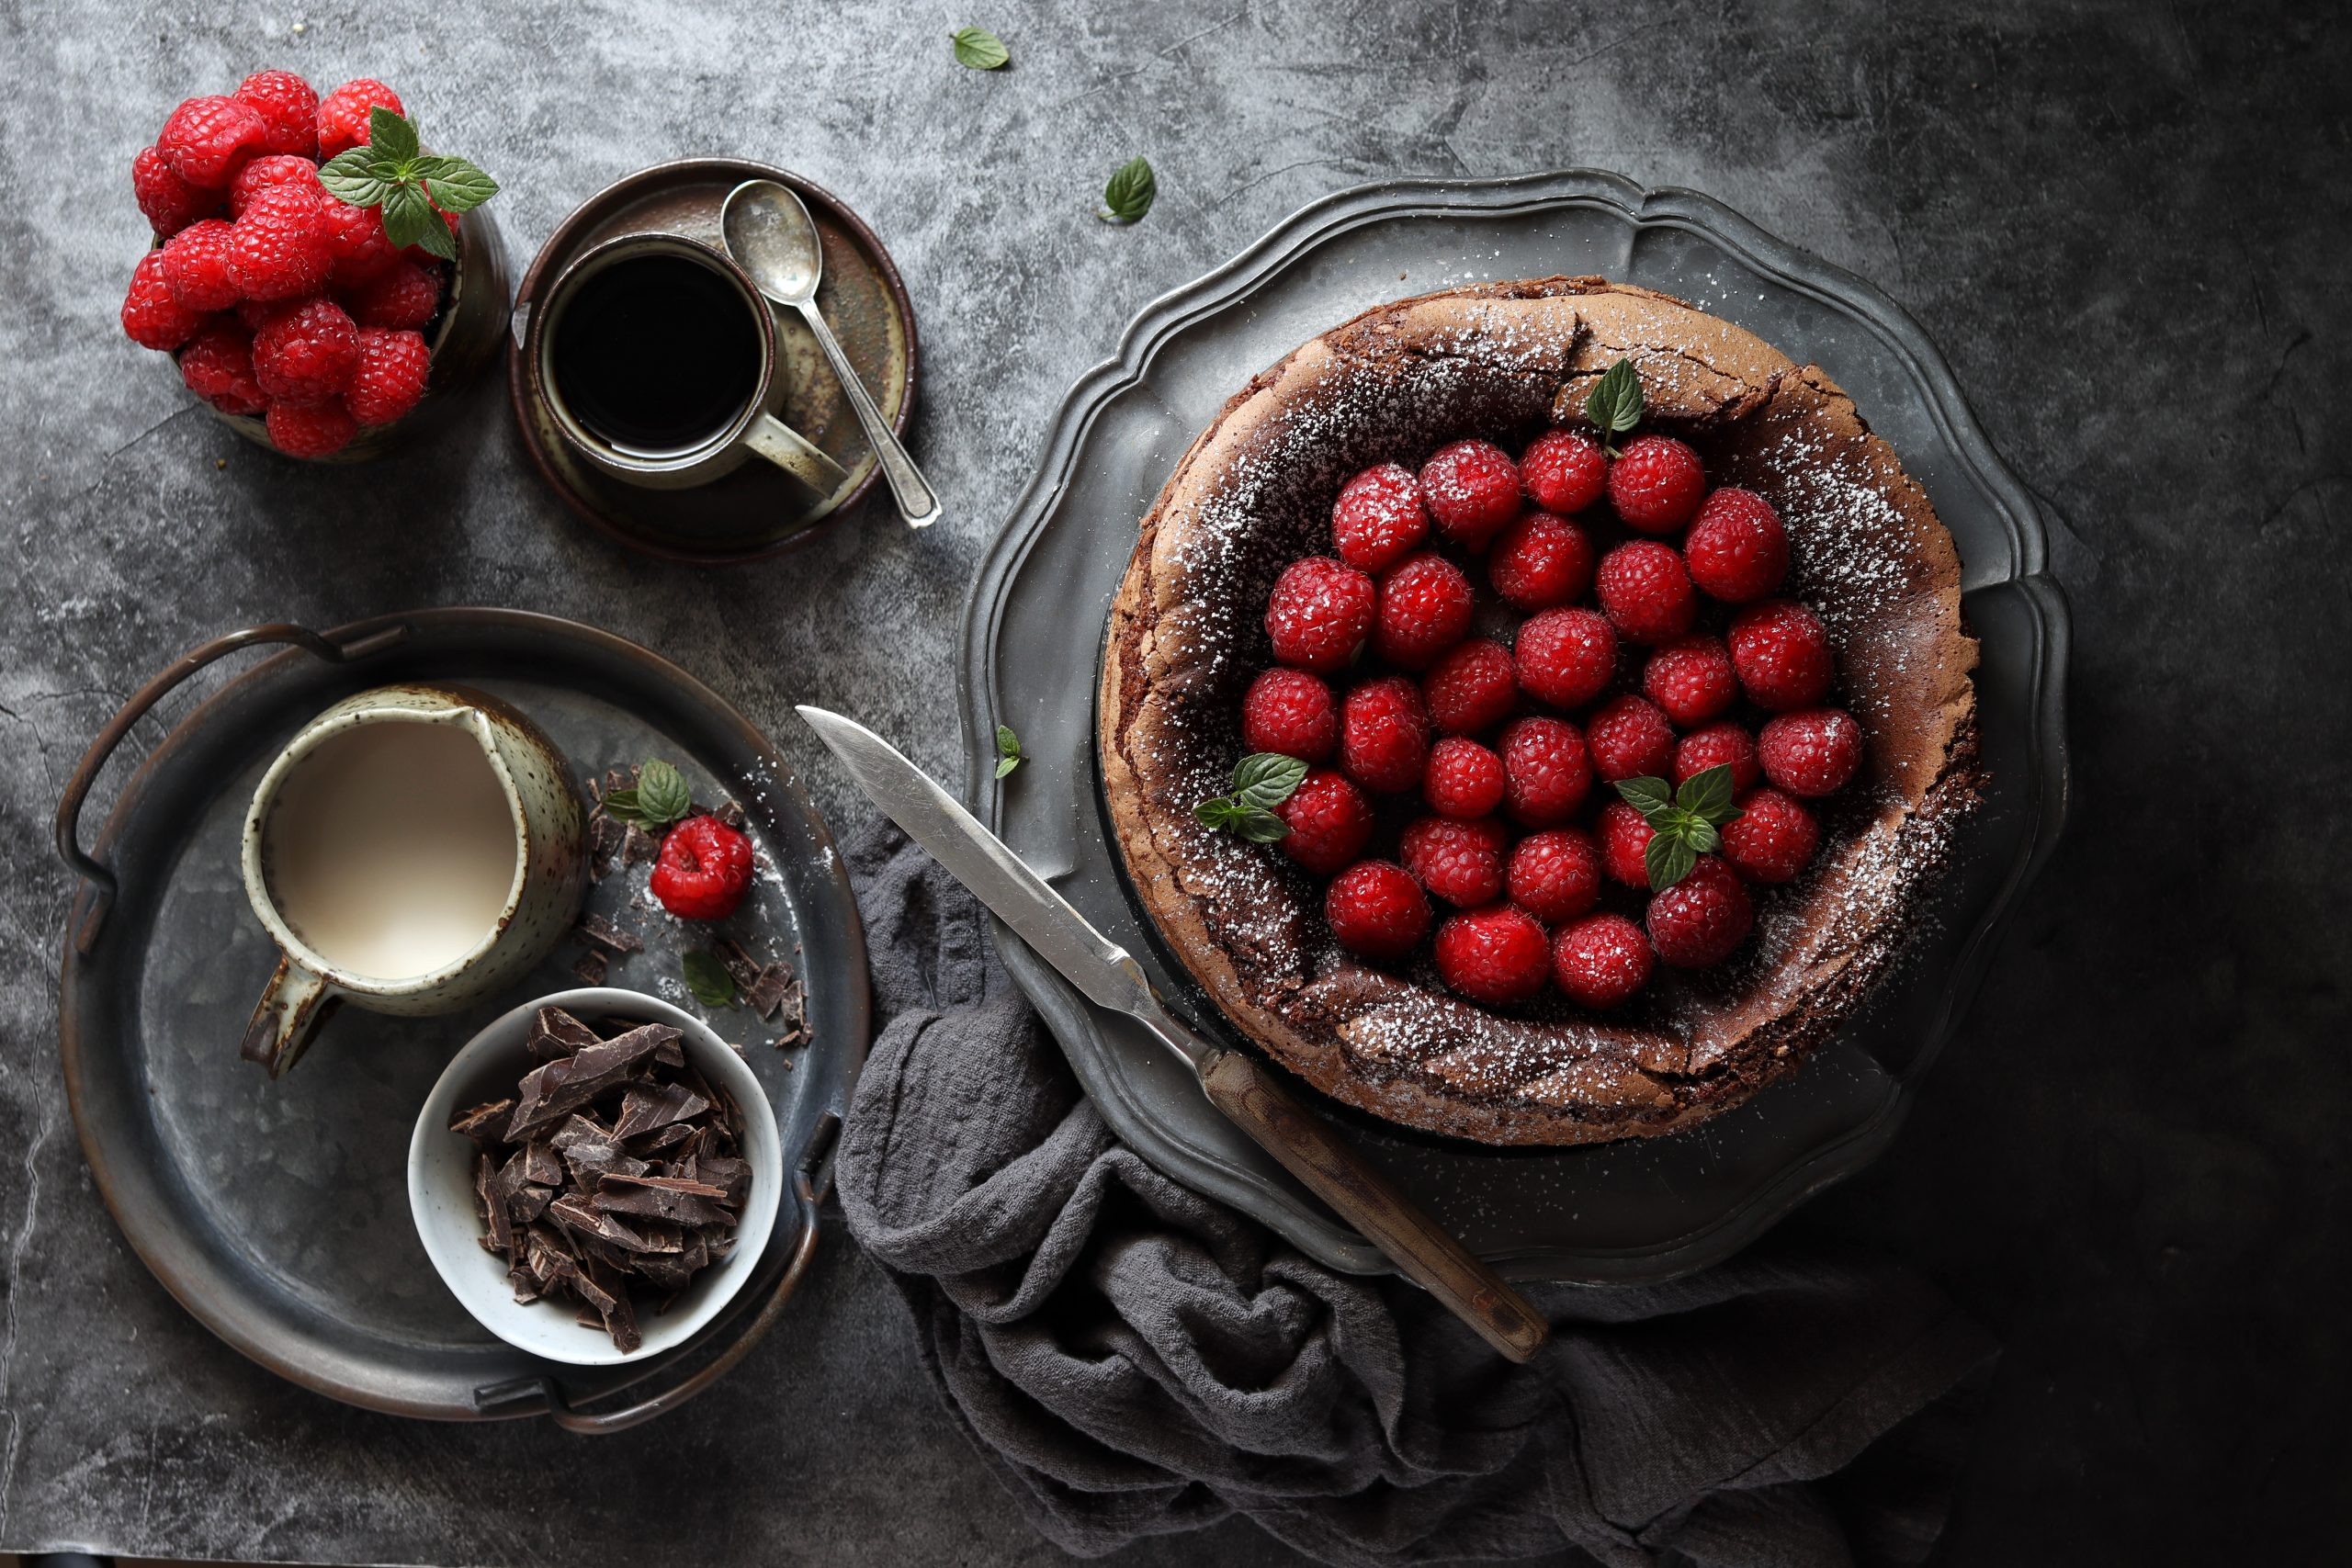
(1646, 661)
(277, 298)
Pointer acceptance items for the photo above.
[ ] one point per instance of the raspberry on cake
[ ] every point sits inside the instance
(1811, 753)
(1461, 863)
(1497, 954)
(1424, 609)
(1463, 779)
(1700, 920)
(1565, 657)
(1472, 490)
(1539, 561)
(1385, 735)
(1724, 745)
(1546, 774)
(1319, 613)
(1601, 961)
(1291, 712)
(1472, 688)
(1773, 838)
(1780, 651)
(1655, 484)
(1379, 519)
(1629, 739)
(1625, 837)
(1645, 592)
(1329, 820)
(1555, 875)
(1377, 908)
(1562, 471)
(1691, 680)
(1737, 548)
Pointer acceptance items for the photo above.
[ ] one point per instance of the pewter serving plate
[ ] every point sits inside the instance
(1639, 1210)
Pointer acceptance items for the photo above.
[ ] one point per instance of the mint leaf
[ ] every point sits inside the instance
(1614, 404)
(1130, 193)
(1008, 750)
(1265, 779)
(455, 184)
(1668, 860)
(1683, 824)
(979, 48)
(659, 798)
(353, 178)
(409, 219)
(1262, 828)
(1707, 796)
(391, 136)
(707, 978)
(1646, 795)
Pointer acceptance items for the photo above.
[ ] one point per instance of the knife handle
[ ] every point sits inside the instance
(1424, 1250)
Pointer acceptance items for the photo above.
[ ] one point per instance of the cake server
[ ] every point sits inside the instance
(1235, 1082)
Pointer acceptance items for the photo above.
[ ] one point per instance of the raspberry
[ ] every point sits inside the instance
(196, 266)
(1318, 614)
(1601, 960)
(1629, 739)
(1378, 519)
(1290, 712)
(1811, 753)
(1737, 549)
(258, 314)
(206, 141)
(305, 356)
(1718, 745)
(1624, 836)
(218, 365)
(279, 249)
(1539, 561)
(1691, 678)
(361, 250)
(1377, 908)
(1385, 735)
(1555, 875)
(1565, 657)
(1424, 610)
(1472, 490)
(703, 870)
(1494, 955)
(1472, 687)
(1461, 863)
(1645, 592)
(170, 203)
(389, 377)
(1462, 779)
(150, 317)
(1655, 484)
(1781, 652)
(342, 114)
(311, 432)
(1330, 822)
(1564, 472)
(263, 173)
(288, 110)
(1546, 774)
(1701, 918)
(406, 295)
(1771, 838)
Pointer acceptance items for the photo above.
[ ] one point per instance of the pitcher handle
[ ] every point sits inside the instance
(295, 1002)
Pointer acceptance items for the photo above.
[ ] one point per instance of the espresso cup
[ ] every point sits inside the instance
(656, 358)
(412, 849)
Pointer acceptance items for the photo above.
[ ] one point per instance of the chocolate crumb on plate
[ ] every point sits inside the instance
(598, 931)
(590, 967)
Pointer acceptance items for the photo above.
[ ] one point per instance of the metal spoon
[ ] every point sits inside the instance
(771, 237)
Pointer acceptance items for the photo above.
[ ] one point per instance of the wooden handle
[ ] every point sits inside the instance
(1423, 1249)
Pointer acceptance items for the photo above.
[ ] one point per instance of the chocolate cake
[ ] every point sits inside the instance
(1504, 362)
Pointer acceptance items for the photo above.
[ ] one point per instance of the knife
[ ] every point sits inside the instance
(1235, 1082)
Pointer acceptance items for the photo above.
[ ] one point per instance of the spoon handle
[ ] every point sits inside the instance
(916, 500)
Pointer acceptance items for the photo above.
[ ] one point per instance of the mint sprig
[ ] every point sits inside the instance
(1009, 754)
(1130, 193)
(1261, 780)
(391, 171)
(659, 798)
(1683, 822)
(707, 978)
(978, 49)
(1614, 404)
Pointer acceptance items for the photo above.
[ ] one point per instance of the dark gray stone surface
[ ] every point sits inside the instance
(2125, 223)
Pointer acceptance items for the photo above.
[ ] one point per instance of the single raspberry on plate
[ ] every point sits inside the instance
(1555, 875)
(362, 249)
(1737, 548)
(152, 318)
(314, 431)
(1546, 774)
(1565, 657)
(1330, 821)
(305, 356)
(1773, 837)
(1472, 490)
(1718, 745)
(1462, 778)
(1495, 955)
(1781, 652)
(1317, 616)
(278, 169)
(288, 110)
(1655, 484)
(1645, 592)
(1629, 739)
(1701, 918)
(196, 266)
(1375, 907)
(207, 139)
(1564, 472)
(1541, 560)
(1601, 960)
(1461, 863)
(405, 294)
(389, 378)
(1471, 688)
(704, 869)
(342, 114)
(1385, 735)
(279, 250)
(1288, 711)
(1811, 753)
(169, 202)
(1691, 678)
(217, 365)
(1425, 608)
(1625, 835)
(1378, 519)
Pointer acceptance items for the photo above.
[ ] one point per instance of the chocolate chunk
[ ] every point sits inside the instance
(679, 1203)
(483, 1124)
(732, 1176)
(542, 1166)
(640, 846)
(765, 994)
(589, 968)
(618, 778)
(736, 961)
(620, 1317)
(531, 1202)
(660, 1138)
(730, 813)
(549, 1092)
(645, 1107)
(555, 1032)
(500, 1229)
(601, 932)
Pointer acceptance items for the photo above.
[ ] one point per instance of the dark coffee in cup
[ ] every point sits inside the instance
(657, 355)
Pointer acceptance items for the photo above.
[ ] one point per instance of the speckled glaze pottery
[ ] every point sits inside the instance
(550, 874)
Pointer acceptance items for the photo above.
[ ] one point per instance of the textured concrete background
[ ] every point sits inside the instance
(2127, 226)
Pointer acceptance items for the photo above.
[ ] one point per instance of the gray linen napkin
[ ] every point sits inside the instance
(1133, 1358)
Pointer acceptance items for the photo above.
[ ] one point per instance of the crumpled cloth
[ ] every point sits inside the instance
(1133, 1358)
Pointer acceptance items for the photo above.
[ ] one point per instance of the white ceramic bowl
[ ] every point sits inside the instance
(441, 1184)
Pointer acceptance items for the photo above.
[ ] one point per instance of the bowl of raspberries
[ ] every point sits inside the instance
(316, 274)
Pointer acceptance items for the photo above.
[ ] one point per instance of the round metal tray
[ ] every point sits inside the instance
(277, 1212)
(1639, 1210)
